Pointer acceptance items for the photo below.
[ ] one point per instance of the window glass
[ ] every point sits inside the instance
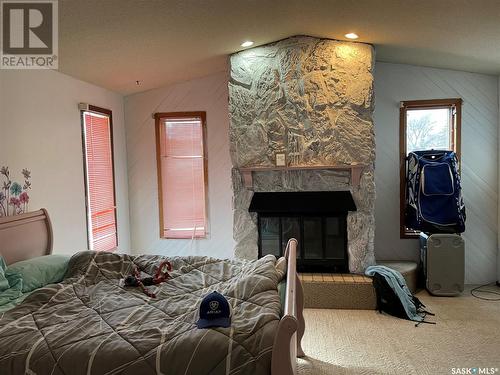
(428, 129)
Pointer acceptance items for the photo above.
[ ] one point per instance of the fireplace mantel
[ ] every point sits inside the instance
(354, 169)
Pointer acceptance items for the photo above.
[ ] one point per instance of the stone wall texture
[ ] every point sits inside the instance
(311, 99)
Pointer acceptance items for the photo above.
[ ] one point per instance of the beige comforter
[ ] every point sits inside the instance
(88, 324)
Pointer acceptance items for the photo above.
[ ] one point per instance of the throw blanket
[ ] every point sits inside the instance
(88, 324)
(398, 284)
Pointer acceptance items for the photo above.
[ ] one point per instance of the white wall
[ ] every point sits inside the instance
(208, 94)
(498, 242)
(40, 129)
(480, 122)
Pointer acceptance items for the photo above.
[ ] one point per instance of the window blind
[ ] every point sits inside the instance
(101, 214)
(182, 174)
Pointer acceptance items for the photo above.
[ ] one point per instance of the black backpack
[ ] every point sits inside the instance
(389, 302)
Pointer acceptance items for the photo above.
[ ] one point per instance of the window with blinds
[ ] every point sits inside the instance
(181, 174)
(99, 176)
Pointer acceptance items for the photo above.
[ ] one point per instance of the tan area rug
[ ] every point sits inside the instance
(467, 335)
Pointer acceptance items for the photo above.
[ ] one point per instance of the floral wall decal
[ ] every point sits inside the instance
(14, 197)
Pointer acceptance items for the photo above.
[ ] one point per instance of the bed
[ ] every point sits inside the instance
(90, 324)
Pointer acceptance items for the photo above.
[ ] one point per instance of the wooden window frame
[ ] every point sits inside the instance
(456, 121)
(103, 112)
(159, 118)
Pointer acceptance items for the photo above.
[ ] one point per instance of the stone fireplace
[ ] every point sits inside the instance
(311, 100)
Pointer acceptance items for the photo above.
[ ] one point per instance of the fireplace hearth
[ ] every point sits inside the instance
(318, 220)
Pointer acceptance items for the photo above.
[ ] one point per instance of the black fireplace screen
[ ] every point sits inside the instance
(318, 220)
(322, 240)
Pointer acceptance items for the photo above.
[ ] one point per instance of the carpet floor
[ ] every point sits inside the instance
(467, 335)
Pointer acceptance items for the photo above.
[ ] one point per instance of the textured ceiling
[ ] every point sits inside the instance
(113, 43)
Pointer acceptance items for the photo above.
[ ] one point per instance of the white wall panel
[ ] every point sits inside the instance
(208, 94)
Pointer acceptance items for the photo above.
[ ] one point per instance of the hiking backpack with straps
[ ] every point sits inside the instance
(389, 302)
(433, 195)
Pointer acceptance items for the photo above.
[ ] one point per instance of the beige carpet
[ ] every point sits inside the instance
(467, 334)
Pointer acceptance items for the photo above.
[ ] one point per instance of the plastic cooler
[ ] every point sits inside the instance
(443, 263)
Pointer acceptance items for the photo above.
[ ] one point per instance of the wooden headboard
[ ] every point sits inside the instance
(25, 236)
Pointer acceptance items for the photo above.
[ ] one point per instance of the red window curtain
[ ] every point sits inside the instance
(182, 177)
(101, 212)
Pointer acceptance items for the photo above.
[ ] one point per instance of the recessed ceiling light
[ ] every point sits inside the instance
(247, 43)
(351, 36)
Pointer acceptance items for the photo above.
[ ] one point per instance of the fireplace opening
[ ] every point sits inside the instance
(318, 220)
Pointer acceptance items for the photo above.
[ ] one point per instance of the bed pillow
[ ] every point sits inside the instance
(12, 293)
(4, 283)
(39, 271)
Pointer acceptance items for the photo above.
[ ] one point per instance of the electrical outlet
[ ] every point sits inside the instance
(280, 160)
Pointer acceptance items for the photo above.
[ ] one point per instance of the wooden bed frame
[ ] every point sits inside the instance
(30, 235)
(287, 342)
(25, 236)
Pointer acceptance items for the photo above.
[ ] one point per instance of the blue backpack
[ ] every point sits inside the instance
(434, 200)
